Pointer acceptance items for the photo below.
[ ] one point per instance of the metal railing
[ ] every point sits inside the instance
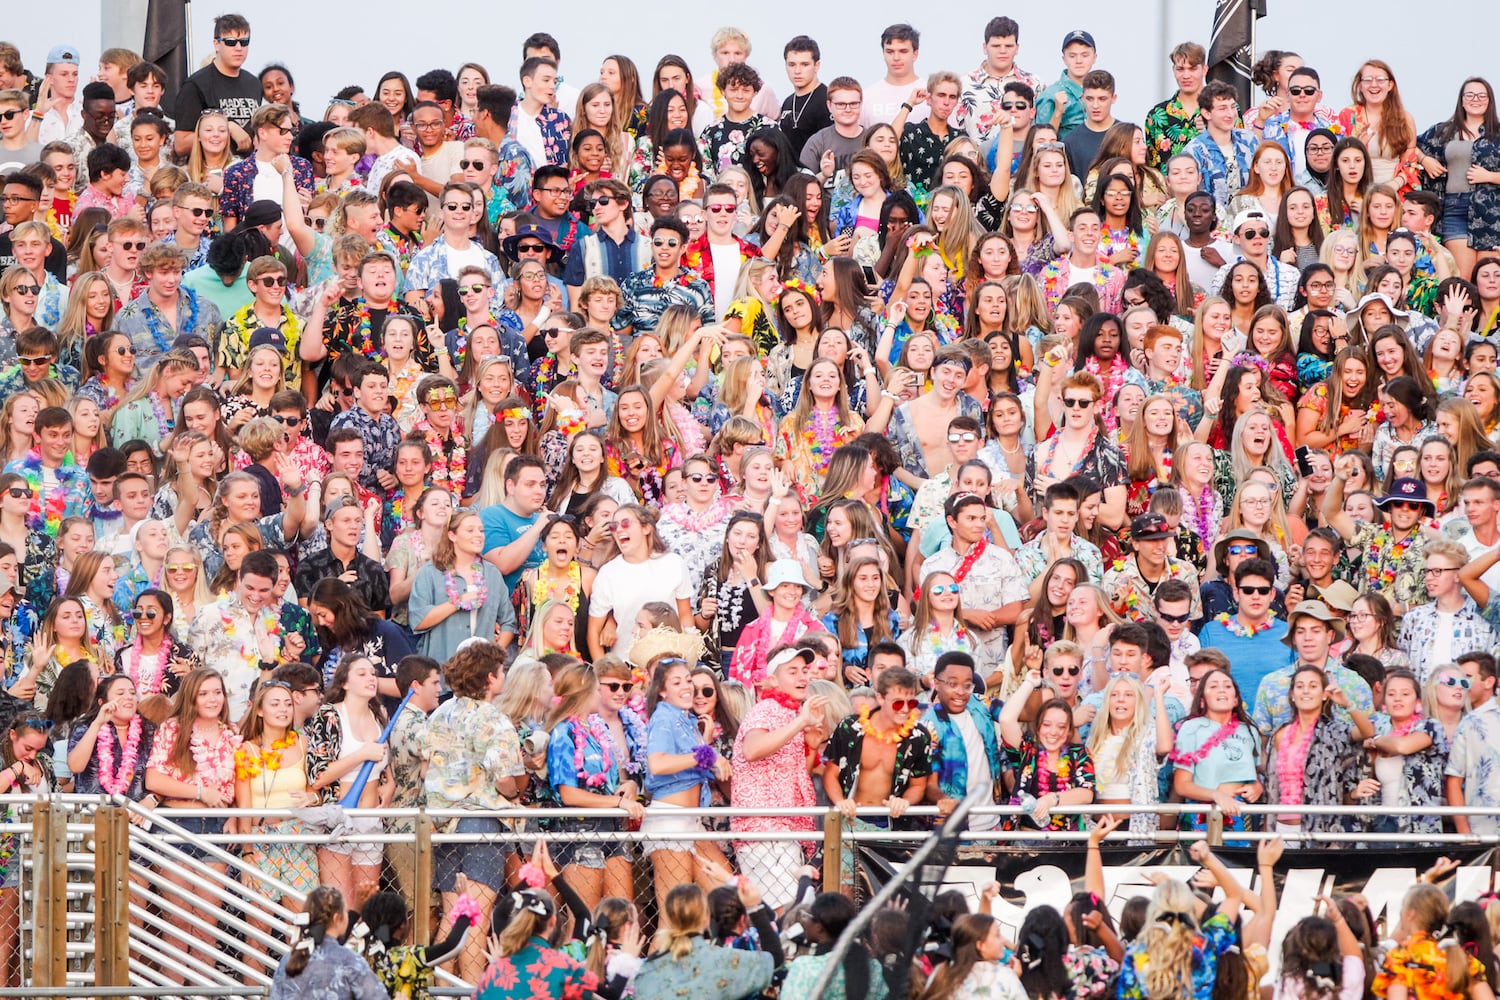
(106, 920)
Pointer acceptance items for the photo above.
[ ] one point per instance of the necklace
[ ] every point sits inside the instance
(250, 758)
(365, 339)
(152, 684)
(1240, 629)
(115, 779)
(894, 736)
(163, 414)
(568, 589)
(796, 115)
(1191, 758)
(595, 728)
(456, 595)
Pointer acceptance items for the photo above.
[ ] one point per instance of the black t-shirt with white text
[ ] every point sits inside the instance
(209, 90)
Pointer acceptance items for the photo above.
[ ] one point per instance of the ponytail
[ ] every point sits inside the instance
(324, 904)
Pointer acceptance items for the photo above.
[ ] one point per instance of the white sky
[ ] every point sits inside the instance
(1430, 57)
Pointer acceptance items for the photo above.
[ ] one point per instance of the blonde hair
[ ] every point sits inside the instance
(259, 438)
(684, 916)
(1168, 941)
(1138, 728)
(198, 165)
(525, 684)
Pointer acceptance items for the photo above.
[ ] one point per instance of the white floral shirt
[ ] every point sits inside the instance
(993, 582)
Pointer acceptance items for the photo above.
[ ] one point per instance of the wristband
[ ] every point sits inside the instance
(906, 105)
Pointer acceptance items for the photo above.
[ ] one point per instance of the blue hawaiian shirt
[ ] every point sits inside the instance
(950, 760)
(430, 265)
(1214, 166)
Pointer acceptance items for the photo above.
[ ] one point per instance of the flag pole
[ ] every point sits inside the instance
(187, 15)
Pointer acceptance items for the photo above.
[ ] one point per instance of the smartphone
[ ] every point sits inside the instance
(848, 230)
(871, 281)
(1304, 466)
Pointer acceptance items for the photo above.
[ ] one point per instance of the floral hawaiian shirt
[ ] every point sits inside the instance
(431, 264)
(149, 332)
(1467, 629)
(1138, 605)
(1169, 128)
(239, 184)
(979, 105)
(993, 581)
(1394, 569)
(1273, 702)
(1032, 557)
(1475, 757)
(1421, 774)
(381, 434)
(470, 747)
(1213, 940)
(1075, 769)
(1420, 965)
(512, 188)
(1221, 178)
(723, 143)
(645, 298)
(846, 749)
(557, 132)
(234, 341)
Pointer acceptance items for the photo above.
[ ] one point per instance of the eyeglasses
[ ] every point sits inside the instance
(904, 706)
(197, 213)
(45, 359)
(1477, 95)
(1320, 286)
(1014, 105)
(17, 198)
(1174, 619)
(232, 42)
(1302, 91)
(453, 206)
(1256, 591)
(29, 289)
(1439, 570)
(845, 105)
(1256, 234)
(555, 191)
(720, 209)
(1072, 671)
(707, 692)
(703, 477)
(133, 245)
(1255, 501)
(473, 164)
(1455, 681)
(22, 492)
(617, 686)
(1374, 80)
(428, 125)
(943, 588)
(272, 280)
(1243, 550)
(966, 437)
(1074, 403)
(286, 420)
(656, 243)
(472, 289)
(147, 613)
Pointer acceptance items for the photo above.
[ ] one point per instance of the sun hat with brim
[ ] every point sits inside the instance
(784, 571)
(1407, 490)
(1340, 596)
(1221, 547)
(531, 231)
(687, 645)
(1312, 609)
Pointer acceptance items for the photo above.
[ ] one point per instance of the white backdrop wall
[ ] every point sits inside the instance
(330, 44)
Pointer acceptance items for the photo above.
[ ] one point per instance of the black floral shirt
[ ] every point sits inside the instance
(846, 749)
(1169, 127)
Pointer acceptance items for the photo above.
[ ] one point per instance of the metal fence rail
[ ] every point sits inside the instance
(105, 921)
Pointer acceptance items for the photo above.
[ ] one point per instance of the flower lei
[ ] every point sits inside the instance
(1191, 758)
(1406, 725)
(1202, 512)
(1380, 574)
(147, 685)
(893, 737)
(448, 470)
(1291, 761)
(595, 728)
(690, 520)
(155, 321)
(364, 339)
(513, 413)
(1047, 781)
(460, 342)
(975, 553)
(165, 416)
(250, 759)
(822, 435)
(112, 779)
(545, 587)
(52, 504)
(783, 699)
(1239, 628)
(266, 619)
(455, 595)
(936, 641)
(1113, 380)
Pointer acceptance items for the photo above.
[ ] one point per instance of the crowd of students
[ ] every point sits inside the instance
(901, 440)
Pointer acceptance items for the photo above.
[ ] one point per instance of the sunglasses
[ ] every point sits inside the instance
(1256, 234)
(319, 223)
(622, 524)
(1398, 505)
(125, 352)
(284, 129)
(721, 209)
(442, 403)
(232, 42)
(967, 437)
(655, 243)
(1072, 671)
(180, 567)
(1302, 91)
(530, 248)
(1455, 681)
(22, 492)
(45, 359)
(275, 684)
(1243, 550)
(29, 289)
(198, 213)
(1014, 105)
(615, 687)
(33, 722)
(471, 289)
(133, 245)
(707, 692)
(453, 206)
(8, 115)
(1256, 591)
(473, 164)
(703, 477)
(286, 421)
(1174, 619)
(905, 706)
(147, 613)
(943, 588)
(272, 280)
(1074, 403)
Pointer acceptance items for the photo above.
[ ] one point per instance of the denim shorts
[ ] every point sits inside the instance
(483, 862)
(207, 826)
(1455, 222)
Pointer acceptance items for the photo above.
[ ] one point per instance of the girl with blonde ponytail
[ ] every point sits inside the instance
(1177, 956)
(684, 962)
(318, 966)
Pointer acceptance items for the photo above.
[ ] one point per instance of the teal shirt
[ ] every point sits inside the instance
(207, 284)
(1072, 116)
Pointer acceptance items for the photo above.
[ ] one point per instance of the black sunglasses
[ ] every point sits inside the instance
(198, 213)
(1174, 619)
(232, 42)
(1074, 403)
(149, 614)
(286, 420)
(1256, 591)
(20, 492)
(1072, 671)
(472, 164)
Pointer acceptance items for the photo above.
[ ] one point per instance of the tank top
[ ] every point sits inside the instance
(349, 744)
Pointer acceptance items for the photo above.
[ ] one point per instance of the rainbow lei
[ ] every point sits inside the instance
(1381, 573)
(364, 341)
(1238, 628)
(455, 595)
(265, 619)
(595, 729)
(460, 343)
(448, 470)
(822, 435)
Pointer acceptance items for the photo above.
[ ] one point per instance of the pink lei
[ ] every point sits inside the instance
(1113, 381)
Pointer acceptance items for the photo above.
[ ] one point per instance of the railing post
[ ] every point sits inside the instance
(422, 893)
(111, 897)
(833, 848)
(1215, 826)
(49, 965)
